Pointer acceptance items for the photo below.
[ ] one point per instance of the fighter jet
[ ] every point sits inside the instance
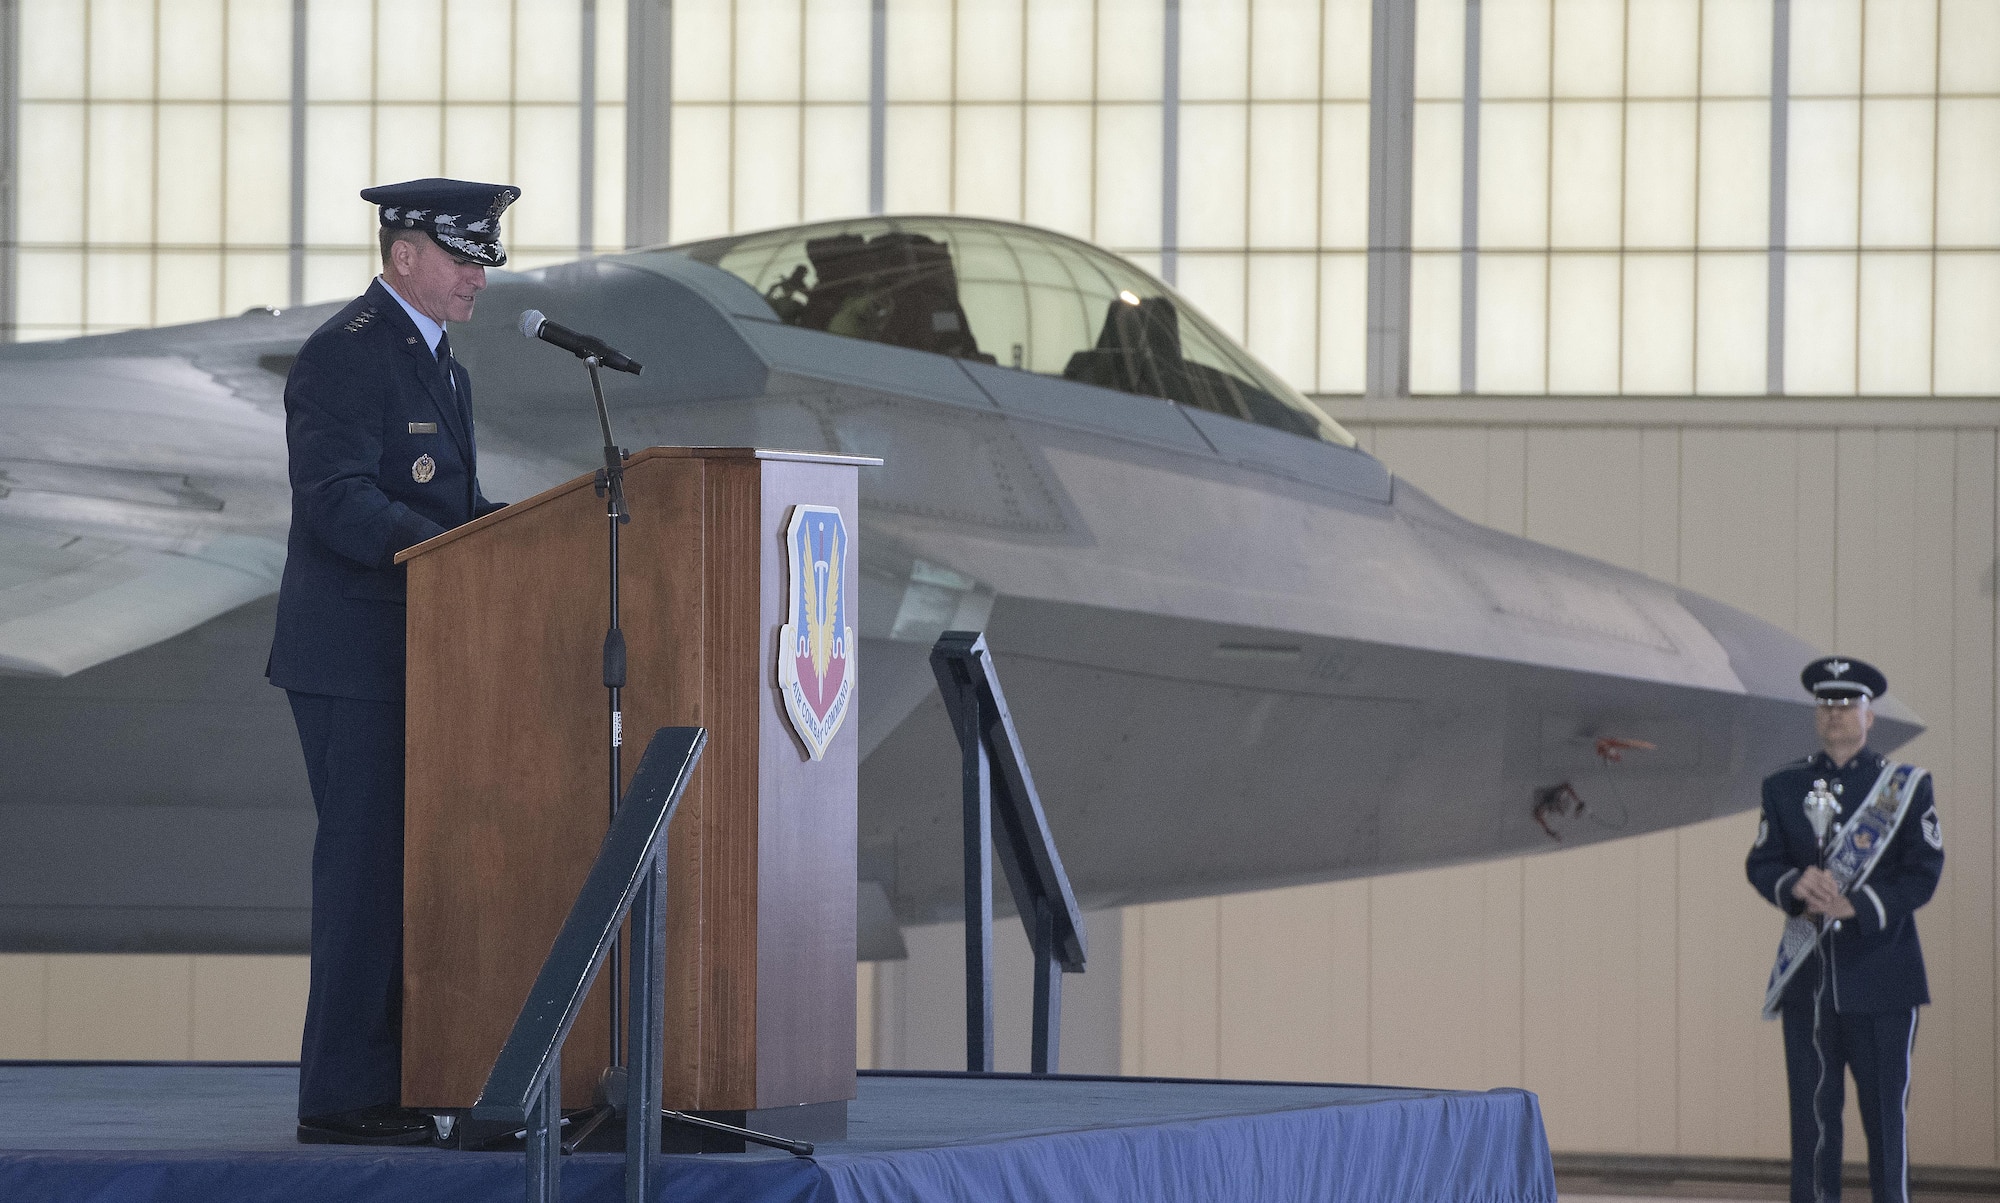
(1240, 652)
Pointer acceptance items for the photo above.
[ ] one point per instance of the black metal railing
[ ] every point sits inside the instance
(1005, 801)
(629, 877)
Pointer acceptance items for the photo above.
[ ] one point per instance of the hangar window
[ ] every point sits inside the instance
(1013, 296)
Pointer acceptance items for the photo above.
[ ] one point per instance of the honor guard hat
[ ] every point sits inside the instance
(460, 216)
(1843, 677)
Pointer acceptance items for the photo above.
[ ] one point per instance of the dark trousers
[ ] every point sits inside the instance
(1877, 1048)
(352, 1053)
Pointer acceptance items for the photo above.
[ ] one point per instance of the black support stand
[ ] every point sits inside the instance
(611, 487)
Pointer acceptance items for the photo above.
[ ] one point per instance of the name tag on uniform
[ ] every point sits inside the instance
(423, 428)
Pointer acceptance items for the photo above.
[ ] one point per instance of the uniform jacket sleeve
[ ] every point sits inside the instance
(334, 417)
(1774, 865)
(1908, 872)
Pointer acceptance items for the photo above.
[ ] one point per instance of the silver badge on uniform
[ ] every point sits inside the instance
(1933, 834)
(423, 469)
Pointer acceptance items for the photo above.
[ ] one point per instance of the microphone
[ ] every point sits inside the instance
(583, 346)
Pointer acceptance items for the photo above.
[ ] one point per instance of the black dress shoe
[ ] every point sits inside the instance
(382, 1124)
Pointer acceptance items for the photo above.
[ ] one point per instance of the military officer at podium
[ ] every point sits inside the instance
(378, 423)
(1849, 846)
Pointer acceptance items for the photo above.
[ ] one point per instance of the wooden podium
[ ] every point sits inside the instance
(508, 774)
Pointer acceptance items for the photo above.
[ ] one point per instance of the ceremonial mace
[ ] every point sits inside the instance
(1821, 807)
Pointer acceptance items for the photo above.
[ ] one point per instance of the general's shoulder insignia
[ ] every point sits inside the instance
(816, 645)
(359, 320)
(1933, 834)
(1763, 832)
(423, 469)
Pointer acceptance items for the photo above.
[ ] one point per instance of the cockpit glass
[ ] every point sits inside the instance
(1013, 296)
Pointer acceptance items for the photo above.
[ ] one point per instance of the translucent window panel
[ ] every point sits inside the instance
(989, 51)
(1127, 208)
(121, 49)
(251, 278)
(187, 286)
(1895, 325)
(54, 68)
(700, 174)
(257, 195)
(1583, 324)
(118, 289)
(1514, 48)
(1215, 50)
(49, 296)
(341, 61)
(1513, 323)
(120, 188)
(1659, 173)
(769, 42)
(1658, 324)
(545, 168)
(1968, 312)
(1343, 324)
(920, 49)
(1437, 173)
(1901, 49)
(548, 50)
(1062, 50)
(1284, 49)
(1346, 34)
(189, 194)
(338, 275)
(611, 49)
(409, 142)
(479, 143)
(190, 52)
(1968, 33)
(1434, 325)
(1213, 195)
(1826, 49)
(1968, 172)
(986, 173)
(835, 149)
(1284, 171)
(1282, 315)
(1665, 41)
(51, 152)
(1513, 175)
(1819, 322)
(1823, 170)
(766, 162)
(1736, 47)
(702, 33)
(1057, 163)
(260, 49)
(1589, 48)
(609, 194)
(1735, 173)
(1343, 175)
(1586, 193)
(916, 175)
(410, 54)
(338, 168)
(1897, 171)
(1129, 36)
(837, 34)
(1440, 49)
(1215, 283)
(1730, 336)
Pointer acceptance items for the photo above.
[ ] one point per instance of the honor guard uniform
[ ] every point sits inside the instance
(1850, 972)
(378, 423)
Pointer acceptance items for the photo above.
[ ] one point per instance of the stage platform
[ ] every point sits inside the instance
(112, 1133)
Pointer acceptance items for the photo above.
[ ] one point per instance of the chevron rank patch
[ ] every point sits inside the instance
(1933, 834)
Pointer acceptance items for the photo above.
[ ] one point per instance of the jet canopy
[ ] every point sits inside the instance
(1012, 295)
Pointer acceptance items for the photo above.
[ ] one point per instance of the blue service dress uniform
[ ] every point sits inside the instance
(382, 457)
(1854, 1002)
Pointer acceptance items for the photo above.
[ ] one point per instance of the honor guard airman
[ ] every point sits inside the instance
(378, 423)
(1848, 847)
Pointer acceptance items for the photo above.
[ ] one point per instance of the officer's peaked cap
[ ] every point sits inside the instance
(1843, 677)
(460, 216)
